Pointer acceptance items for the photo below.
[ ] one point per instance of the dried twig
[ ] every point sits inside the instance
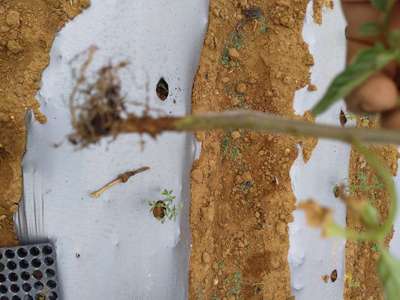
(122, 178)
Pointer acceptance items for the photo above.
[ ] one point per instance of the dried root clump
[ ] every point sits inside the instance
(97, 105)
(99, 109)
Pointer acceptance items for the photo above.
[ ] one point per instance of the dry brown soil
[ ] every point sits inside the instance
(242, 199)
(27, 31)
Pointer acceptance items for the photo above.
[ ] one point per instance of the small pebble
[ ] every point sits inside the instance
(197, 175)
(275, 263)
(13, 19)
(14, 46)
(14, 208)
(235, 135)
(247, 176)
(281, 228)
(206, 258)
(325, 278)
(241, 88)
(215, 282)
(233, 53)
(4, 28)
(312, 87)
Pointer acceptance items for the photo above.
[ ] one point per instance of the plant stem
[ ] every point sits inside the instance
(352, 235)
(122, 178)
(255, 121)
(386, 18)
(388, 13)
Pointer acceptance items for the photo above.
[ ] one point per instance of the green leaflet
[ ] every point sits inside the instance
(382, 5)
(369, 214)
(389, 272)
(370, 29)
(365, 64)
(394, 39)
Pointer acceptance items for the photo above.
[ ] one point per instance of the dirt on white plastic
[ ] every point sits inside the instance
(112, 247)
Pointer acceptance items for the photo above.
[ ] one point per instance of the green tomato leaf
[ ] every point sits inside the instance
(389, 272)
(365, 64)
(370, 29)
(332, 229)
(380, 4)
(394, 39)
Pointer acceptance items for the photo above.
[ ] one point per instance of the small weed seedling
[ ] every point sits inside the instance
(263, 26)
(351, 282)
(236, 284)
(235, 41)
(364, 185)
(227, 147)
(165, 208)
(221, 265)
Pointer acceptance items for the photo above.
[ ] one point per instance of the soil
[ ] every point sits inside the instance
(361, 278)
(318, 6)
(242, 201)
(27, 31)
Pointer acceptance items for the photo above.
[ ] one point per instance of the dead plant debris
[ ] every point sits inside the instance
(99, 108)
(122, 178)
(96, 104)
